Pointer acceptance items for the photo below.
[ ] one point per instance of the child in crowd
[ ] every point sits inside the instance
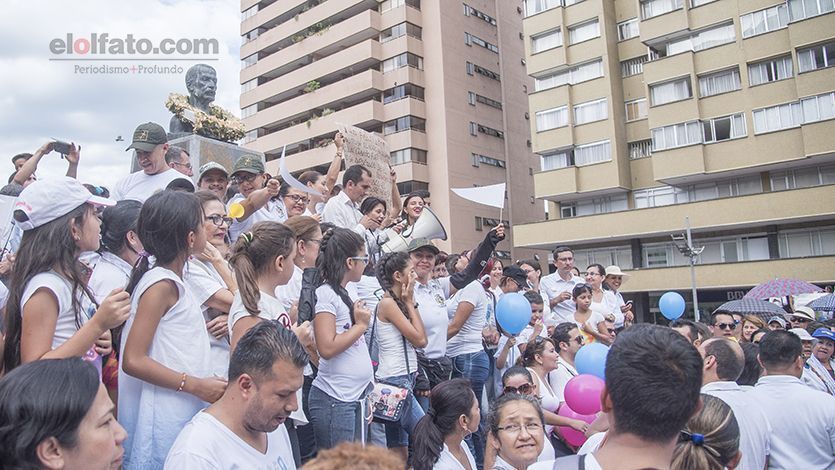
(587, 321)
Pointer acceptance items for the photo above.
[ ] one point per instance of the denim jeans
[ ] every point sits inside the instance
(334, 421)
(475, 367)
(397, 434)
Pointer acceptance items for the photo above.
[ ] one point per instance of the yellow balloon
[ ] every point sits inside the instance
(236, 210)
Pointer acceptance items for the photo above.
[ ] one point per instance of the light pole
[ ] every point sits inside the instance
(684, 243)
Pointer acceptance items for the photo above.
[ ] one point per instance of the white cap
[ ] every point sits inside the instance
(46, 200)
(802, 334)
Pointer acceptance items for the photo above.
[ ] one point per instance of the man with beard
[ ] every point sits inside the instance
(150, 142)
(243, 429)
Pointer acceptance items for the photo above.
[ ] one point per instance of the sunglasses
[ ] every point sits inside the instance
(726, 326)
(800, 320)
(524, 389)
(579, 340)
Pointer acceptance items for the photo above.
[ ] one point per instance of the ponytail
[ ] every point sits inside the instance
(254, 254)
(447, 402)
(710, 440)
(338, 244)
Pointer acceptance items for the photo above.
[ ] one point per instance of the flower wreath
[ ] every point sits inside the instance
(218, 123)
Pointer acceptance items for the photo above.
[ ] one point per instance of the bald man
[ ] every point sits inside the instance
(723, 363)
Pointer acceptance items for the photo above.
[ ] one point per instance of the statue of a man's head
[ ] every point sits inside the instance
(201, 82)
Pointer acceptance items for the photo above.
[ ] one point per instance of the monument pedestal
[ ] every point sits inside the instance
(203, 150)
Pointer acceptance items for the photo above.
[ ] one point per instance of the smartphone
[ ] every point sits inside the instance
(61, 147)
(629, 302)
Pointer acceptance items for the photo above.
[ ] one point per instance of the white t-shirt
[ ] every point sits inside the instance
(204, 281)
(110, 272)
(468, 339)
(432, 299)
(548, 399)
(207, 444)
(346, 375)
(289, 293)
(447, 461)
(271, 211)
(139, 186)
(609, 305)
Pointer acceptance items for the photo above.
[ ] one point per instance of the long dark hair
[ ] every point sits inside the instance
(386, 267)
(447, 402)
(43, 399)
(116, 222)
(254, 254)
(49, 246)
(338, 244)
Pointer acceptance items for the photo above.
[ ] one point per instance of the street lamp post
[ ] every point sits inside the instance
(684, 243)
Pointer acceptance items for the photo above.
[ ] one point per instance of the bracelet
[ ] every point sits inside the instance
(182, 383)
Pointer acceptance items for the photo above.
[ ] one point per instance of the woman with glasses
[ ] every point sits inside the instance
(821, 363)
(293, 202)
(210, 279)
(516, 431)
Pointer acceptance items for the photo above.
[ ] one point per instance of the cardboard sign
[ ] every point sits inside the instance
(371, 151)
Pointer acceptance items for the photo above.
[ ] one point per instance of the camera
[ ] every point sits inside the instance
(61, 147)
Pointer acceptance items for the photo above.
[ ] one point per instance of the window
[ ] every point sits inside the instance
(724, 128)
(249, 85)
(551, 118)
(628, 29)
(249, 61)
(592, 153)
(399, 30)
(620, 256)
(778, 117)
(801, 9)
(636, 109)
(818, 108)
(661, 196)
(402, 60)
(584, 32)
(816, 57)
(533, 7)
(249, 111)
(696, 3)
(806, 242)
(470, 39)
(475, 128)
(668, 92)
(406, 187)
(770, 70)
(545, 41)
(479, 159)
(474, 98)
(403, 124)
(719, 82)
(632, 66)
(252, 35)
(402, 91)
(250, 136)
(650, 8)
(640, 149)
(802, 177)
(676, 135)
(571, 75)
(386, 5)
(764, 21)
(470, 11)
(249, 12)
(557, 159)
(601, 205)
(591, 111)
(408, 155)
(473, 68)
(699, 40)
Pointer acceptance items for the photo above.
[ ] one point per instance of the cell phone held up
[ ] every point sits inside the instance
(61, 147)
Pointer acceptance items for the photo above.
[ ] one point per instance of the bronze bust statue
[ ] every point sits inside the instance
(201, 83)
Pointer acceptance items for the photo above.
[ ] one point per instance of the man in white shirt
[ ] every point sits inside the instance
(342, 210)
(802, 419)
(255, 195)
(723, 363)
(150, 143)
(178, 159)
(243, 429)
(569, 340)
(557, 287)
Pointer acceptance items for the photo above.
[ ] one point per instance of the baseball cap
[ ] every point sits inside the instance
(804, 312)
(46, 200)
(147, 136)
(517, 274)
(778, 319)
(250, 164)
(824, 333)
(206, 167)
(802, 334)
(419, 243)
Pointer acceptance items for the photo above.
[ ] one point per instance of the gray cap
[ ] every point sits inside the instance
(419, 243)
(207, 167)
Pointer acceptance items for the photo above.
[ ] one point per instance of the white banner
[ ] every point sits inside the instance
(492, 195)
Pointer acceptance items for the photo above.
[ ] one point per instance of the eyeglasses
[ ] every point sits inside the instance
(187, 165)
(592, 273)
(297, 199)
(726, 326)
(249, 178)
(219, 220)
(531, 428)
(364, 259)
(524, 389)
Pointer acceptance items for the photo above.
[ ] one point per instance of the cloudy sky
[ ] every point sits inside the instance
(41, 99)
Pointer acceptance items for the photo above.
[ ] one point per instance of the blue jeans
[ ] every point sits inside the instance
(475, 367)
(397, 434)
(334, 421)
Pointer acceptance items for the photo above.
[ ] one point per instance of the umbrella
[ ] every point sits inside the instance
(760, 308)
(823, 304)
(781, 288)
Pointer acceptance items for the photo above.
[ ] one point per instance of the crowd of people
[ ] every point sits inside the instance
(242, 322)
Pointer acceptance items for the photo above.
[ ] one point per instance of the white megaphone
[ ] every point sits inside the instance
(426, 226)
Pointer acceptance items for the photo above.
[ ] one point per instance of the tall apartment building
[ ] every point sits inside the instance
(443, 81)
(645, 112)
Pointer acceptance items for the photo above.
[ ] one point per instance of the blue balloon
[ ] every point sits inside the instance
(513, 312)
(591, 359)
(671, 305)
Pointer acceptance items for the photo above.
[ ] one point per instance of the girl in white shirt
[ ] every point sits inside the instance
(439, 436)
(345, 372)
(51, 313)
(165, 375)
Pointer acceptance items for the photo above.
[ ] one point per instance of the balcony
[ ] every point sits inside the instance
(677, 164)
(577, 181)
(756, 210)
(664, 24)
(545, 60)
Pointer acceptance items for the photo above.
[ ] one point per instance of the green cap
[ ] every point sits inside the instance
(147, 136)
(250, 164)
(419, 243)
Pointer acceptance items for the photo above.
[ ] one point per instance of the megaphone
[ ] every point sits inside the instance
(426, 226)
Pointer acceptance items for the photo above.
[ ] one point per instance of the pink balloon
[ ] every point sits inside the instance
(582, 393)
(571, 436)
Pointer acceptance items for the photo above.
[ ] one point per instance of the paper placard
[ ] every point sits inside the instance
(371, 151)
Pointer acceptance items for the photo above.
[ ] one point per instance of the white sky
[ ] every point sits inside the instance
(42, 99)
